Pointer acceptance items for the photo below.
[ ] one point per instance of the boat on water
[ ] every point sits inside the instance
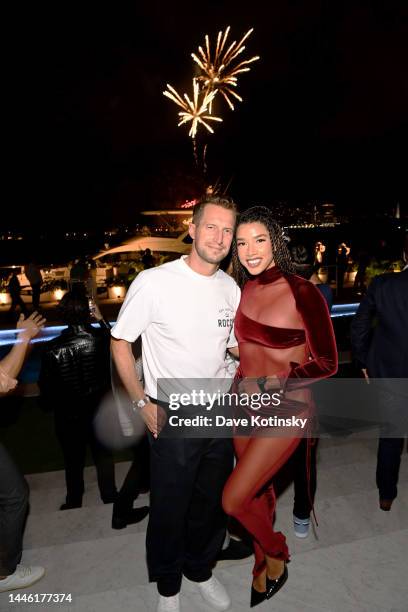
(161, 244)
(165, 235)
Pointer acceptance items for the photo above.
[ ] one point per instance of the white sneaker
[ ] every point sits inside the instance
(214, 593)
(301, 527)
(169, 604)
(24, 576)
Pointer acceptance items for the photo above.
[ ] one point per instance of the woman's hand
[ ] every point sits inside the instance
(31, 326)
(249, 386)
(6, 382)
(96, 311)
(272, 383)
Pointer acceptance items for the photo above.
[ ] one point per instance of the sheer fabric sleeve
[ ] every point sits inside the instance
(322, 360)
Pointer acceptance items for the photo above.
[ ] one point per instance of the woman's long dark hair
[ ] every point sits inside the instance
(280, 251)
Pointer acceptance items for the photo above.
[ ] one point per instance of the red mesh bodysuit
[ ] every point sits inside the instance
(283, 329)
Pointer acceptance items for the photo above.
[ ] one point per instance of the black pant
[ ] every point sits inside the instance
(17, 300)
(187, 524)
(36, 292)
(394, 411)
(13, 510)
(74, 434)
(137, 478)
(304, 491)
(388, 464)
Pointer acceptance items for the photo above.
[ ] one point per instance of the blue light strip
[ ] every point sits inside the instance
(344, 310)
(346, 306)
(8, 336)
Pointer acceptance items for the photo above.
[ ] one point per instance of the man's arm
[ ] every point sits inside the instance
(122, 355)
(361, 326)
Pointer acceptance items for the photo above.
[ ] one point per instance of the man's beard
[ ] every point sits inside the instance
(206, 254)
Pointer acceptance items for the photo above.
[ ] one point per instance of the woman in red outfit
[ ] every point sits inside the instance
(285, 339)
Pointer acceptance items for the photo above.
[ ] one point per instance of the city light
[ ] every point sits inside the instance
(58, 294)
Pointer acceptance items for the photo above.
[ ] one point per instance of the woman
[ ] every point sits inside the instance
(285, 336)
(74, 378)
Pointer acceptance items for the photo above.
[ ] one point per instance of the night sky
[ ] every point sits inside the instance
(93, 139)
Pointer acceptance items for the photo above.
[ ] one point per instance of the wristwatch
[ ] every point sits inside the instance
(141, 403)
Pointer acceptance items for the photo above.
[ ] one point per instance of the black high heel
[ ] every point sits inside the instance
(273, 586)
(257, 597)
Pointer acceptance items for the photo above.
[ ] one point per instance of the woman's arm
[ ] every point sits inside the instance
(12, 363)
(322, 360)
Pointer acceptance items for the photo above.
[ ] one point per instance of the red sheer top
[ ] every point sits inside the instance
(283, 328)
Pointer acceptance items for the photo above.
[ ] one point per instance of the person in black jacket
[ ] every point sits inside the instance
(74, 377)
(382, 352)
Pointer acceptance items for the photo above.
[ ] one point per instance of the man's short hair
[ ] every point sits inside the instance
(225, 202)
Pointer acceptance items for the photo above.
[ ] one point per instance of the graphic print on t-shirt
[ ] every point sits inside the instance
(226, 317)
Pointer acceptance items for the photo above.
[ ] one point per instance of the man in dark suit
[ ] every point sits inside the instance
(382, 352)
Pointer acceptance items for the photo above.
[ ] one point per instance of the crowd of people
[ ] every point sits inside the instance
(194, 320)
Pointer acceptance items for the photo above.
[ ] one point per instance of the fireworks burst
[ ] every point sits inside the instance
(219, 71)
(195, 110)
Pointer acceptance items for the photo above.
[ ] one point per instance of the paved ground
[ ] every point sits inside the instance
(355, 561)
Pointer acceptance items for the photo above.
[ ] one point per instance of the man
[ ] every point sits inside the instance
(13, 486)
(383, 353)
(184, 311)
(79, 273)
(14, 289)
(34, 277)
(343, 252)
(148, 260)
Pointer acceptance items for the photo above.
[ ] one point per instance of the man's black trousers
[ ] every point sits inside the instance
(391, 443)
(187, 524)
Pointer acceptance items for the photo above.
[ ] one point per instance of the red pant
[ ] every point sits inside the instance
(259, 458)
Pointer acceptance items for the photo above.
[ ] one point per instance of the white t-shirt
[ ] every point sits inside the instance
(186, 321)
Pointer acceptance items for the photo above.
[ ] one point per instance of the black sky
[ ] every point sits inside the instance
(94, 140)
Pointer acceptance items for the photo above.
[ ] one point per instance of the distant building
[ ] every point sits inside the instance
(328, 213)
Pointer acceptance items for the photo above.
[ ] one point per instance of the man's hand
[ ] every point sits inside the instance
(154, 417)
(31, 326)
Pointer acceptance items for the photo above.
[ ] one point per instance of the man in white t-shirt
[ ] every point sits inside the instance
(184, 312)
